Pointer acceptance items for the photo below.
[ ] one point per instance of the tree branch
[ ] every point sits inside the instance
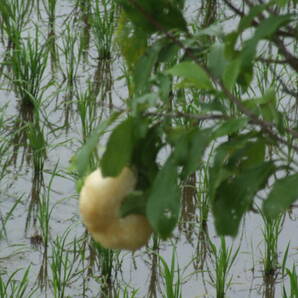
(267, 127)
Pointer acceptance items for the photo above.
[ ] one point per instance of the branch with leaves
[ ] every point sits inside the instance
(192, 88)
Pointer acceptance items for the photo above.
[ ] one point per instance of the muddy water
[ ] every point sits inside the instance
(136, 271)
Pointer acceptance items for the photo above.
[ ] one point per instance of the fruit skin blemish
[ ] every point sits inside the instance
(100, 202)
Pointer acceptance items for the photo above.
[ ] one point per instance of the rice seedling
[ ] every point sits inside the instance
(16, 286)
(72, 54)
(37, 147)
(223, 259)
(293, 277)
(188, 210)
(4, 218)
(154, 268)
(271, 232)
(203, 247)
(43, 216)
(88, 112)
(4, 148)
(172, 278)
(63, 265)
(127, 293)
(103, 21)
(15, 15)
(84, 11)
(50, 7)
(284, 260)
(104, 261)
(28, 62)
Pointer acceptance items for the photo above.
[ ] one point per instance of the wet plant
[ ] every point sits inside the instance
(154, 268)
(189, 207)
(15, 16)
(16, 286)
(72, 54)
(4, 148)
(223, 259)
(28, 63)
(62, 264)
(37, 147)
(88, 112)
(44, 213)
(4, 218)
(293, 277)
(104, 261)
(83, 9)
(103, 20)
(127, 293)
(50, 7)
(172, 278)
(271, 231)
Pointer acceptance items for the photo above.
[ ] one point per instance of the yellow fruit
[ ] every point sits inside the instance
(100, 202)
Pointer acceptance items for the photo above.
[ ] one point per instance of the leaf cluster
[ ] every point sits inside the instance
(194, 101)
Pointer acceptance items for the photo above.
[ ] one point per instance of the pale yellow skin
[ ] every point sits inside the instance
(100, 201)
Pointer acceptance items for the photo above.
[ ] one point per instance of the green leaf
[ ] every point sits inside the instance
(131, 40)
(246, 21)
(266, 28)
(144, 157)
(214, 30)
(216, 60)
(250, 155)
(155, 15)
(283, 194)
(144, 67)
(190, 148)
(235, 195)
(119, 149)
(193, 74)
(236, 155)
(268, 106)
(164, 200)
(81, 159)
(134, 203)
(144, 102)
(231, 73)
(165, 87)
(270, 25)
(229, 127)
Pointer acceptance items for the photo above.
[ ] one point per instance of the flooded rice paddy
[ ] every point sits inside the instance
(61, 74)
